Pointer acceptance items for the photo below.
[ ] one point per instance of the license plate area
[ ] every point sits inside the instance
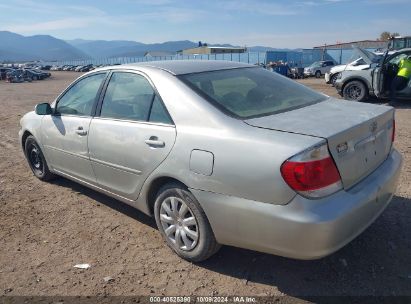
(371, 151)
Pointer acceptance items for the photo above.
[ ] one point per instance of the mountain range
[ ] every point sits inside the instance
(123, 48)
(15, 47)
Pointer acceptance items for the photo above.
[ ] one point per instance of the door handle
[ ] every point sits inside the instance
(154, 142)
(80, 131)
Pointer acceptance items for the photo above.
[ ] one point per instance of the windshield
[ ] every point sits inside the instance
(251, 92)
(396, 59)
(315, 65)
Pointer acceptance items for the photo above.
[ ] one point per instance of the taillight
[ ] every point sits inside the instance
(312, 173)
(393, 131)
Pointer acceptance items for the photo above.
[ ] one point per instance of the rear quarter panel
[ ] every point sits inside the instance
(247, 160)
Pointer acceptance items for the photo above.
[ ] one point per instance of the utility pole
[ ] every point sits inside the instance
(324, 50)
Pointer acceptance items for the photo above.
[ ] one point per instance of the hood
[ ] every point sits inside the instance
(348, 67)
(338, 68)
(367, 56)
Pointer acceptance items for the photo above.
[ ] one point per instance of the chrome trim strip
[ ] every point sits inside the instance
(101, 162)
(134, 121)
(67, 152)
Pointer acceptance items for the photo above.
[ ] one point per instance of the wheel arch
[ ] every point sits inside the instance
(26, 134)
(360, 79)
(30, 132)
(155, 185)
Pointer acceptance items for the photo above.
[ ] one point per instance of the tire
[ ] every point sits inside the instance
(355, 90)
(334, 79)
(36, 160)
(200, 242)
(318, 74)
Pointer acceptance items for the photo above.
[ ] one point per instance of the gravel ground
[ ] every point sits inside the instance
(47, 228)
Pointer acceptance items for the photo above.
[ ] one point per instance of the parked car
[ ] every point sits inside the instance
(318, 68)
(375, 81)
(3, 73)
(358, 64)
(17, 76)
(35, 74)
(86, 68)
(221, 153)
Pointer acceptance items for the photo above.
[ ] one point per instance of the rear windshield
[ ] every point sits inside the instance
(251, 92)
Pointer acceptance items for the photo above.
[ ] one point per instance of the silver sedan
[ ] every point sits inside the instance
(221, 153)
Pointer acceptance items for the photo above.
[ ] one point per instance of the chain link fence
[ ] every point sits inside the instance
(301, 58)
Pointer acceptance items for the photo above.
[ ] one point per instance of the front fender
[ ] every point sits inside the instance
(31, 122)
(362, 75)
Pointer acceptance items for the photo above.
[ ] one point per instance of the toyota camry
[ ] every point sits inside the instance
(221, 153)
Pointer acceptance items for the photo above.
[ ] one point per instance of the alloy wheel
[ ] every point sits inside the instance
(354, 92)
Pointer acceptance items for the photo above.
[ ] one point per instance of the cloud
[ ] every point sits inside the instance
(48, 9)
(259, 7)
(151, 2)
(174, 15)
(387, 1)
(288, 8)
(85, 10)
(320, 2)
(62, 24)
(63, 17)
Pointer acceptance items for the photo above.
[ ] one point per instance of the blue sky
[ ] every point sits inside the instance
(275, 23)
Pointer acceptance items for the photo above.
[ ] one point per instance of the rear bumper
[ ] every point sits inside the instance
(302, 229)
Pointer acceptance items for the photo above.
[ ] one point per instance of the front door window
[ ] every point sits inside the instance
(80, 98)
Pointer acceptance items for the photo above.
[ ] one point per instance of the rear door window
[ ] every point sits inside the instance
(159, 113)
(130, 96)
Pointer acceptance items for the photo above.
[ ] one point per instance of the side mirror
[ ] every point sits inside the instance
(43, 109)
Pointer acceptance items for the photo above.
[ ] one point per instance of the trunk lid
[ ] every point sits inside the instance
(358, 134)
